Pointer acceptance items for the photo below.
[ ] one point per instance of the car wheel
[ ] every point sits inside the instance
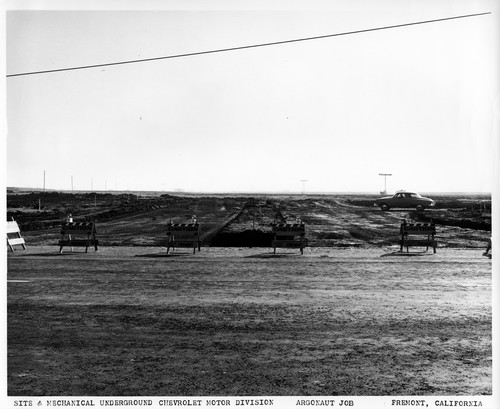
(384, 206)
(420, 207)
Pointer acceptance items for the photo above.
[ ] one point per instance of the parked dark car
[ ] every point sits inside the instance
(404, 200)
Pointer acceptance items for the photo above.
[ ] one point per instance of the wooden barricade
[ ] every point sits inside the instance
(70, 229)
(423, 232)
(15, 238)
(289, 235)
(182, 235)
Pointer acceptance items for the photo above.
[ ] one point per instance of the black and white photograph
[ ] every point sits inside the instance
(227, 204)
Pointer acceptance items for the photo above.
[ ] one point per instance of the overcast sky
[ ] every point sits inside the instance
(416, 101)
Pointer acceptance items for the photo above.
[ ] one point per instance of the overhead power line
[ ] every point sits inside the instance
(220, 50)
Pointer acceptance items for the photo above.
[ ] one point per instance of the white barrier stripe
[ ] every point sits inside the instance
(16, 241)
(13, 227)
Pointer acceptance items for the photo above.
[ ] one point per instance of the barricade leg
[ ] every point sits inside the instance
(62, 245)
(22, 244)
(171, 244)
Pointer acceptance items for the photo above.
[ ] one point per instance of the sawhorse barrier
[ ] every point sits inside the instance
(70, 229)
(289, 235)
(183, 234)
(410, 230)
(15, 232)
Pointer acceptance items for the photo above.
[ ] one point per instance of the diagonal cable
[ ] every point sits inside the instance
(83, 67)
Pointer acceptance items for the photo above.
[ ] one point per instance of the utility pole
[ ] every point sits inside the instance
(385, 181)
(44, 181)
(303, 185)
(72, 183)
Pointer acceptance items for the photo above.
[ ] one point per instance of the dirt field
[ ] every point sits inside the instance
(133, 321)
(352, 316)
(339, 221)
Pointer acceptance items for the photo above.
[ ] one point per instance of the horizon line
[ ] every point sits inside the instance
(283, 192)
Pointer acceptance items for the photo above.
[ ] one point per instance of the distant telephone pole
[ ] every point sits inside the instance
(44, 181)
(385, 181)
(303, 185)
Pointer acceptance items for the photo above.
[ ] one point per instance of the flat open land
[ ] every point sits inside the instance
(352, 316)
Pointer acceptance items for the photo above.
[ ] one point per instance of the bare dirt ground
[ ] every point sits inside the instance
(238, 220)
(352, 316)
(134, 321)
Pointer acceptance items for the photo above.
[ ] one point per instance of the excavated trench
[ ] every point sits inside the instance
(251, 227)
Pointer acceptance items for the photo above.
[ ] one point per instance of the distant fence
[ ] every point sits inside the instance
(289, 235)
(71, 229)
(183, 235)
(14, 237)
(418, 234)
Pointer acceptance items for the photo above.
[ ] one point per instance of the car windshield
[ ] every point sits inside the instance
(406, 194)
